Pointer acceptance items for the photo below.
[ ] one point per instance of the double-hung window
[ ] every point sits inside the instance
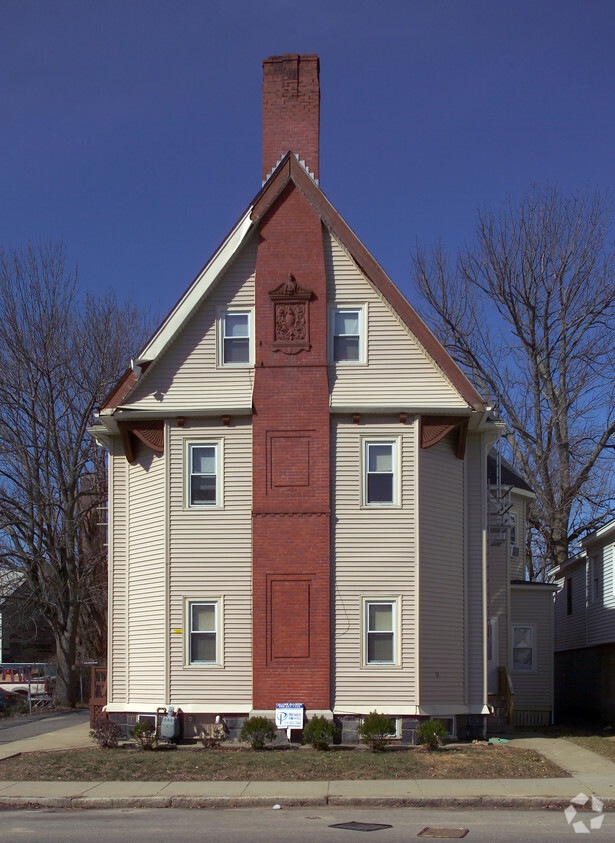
(236, 338)
(380, 459)
(204, 623)
(203, 481)
(380, 629)
(347, 336)
(523, 648)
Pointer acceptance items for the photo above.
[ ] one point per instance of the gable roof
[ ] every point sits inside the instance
(291, 170)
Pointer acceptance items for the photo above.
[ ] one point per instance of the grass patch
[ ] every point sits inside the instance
(596, 743)
(305, 764)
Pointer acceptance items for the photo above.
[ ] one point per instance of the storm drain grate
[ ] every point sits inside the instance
(447, 833)
(354, 826)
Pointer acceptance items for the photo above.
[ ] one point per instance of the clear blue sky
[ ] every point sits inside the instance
(131, 129)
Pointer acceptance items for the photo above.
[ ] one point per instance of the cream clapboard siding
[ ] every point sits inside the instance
(517, 565)
(211, 557)
(534, 690)
(398, 372)
(117, 690)
(601, 611)
(175, 382)
(374, 553)
(571, 630)
(476, 469)
(441, 619)
(497, 589)
(146, 578)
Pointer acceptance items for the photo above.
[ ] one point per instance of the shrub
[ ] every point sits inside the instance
(429, 733)
(212, 735)
(105, 733)
(145, 734)
(319, 732)
(376, 730)
(258, 731)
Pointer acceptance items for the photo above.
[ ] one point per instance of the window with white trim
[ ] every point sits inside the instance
(236, 332)
(203, 480)
(523, 657)
(347, 334)
(380, 622)
(380, 472)
(203, 632)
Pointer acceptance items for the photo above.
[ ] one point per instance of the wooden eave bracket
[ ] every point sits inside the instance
(435, 428)
(150, 433)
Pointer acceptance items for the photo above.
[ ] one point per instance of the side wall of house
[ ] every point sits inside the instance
(534, 688)
(117, 662)
(375, 556)
(475, 590)
(601, 605)
(397, 372)
(210, 555)
(442, 574)
(571, 629)
(517, 564)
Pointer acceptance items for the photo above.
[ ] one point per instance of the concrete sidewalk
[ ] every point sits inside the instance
(590, 774)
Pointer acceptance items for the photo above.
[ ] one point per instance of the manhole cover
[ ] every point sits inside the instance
(354, 826)
(446, 833)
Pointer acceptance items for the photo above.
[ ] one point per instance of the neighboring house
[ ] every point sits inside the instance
(520, 631)
(298, 493)
(25, 635)
(585, 630)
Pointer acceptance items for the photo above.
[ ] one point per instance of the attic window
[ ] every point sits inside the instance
(347, 335)
(236, 338)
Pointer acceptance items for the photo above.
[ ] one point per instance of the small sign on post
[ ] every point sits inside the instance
(289, 716)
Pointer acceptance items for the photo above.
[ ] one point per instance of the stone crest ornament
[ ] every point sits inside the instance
(291, 317)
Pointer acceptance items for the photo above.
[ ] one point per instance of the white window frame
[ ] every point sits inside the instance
(189, 444)
(218, 602)
(361, 309)
(395, 602)
(395, 442)
(522, 669)
(220, 330)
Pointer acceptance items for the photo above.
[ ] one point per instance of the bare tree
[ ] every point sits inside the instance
(59, 356)
(528, 310)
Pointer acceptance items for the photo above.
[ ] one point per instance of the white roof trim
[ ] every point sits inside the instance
(197, 291)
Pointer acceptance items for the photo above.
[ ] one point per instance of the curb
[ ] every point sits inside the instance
(528, 803)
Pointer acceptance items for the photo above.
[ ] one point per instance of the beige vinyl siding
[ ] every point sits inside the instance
(441, 619)
(211, 557)
(476, 469)
(497, 589)
(398, 372)
(534, 689)
(374, 556)
(571, 630)
(146, 578)
(175, 382)
(117, 690)
(601, 612)
(517, 566)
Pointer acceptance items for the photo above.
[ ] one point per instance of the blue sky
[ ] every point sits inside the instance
(131, 129)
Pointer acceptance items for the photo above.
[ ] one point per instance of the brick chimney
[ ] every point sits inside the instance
(291, 110)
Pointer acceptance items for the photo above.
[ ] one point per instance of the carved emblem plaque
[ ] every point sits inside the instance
(291, 317)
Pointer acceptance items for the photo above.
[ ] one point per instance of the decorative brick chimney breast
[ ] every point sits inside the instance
(291, 110)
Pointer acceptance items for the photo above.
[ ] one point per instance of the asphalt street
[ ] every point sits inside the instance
(301, 825)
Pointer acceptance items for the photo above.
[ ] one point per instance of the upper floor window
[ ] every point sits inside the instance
(347, 335)
(514, 540)
(203, 475)
(568, 595)
(595, 578)
(236, 338)
(380, 476)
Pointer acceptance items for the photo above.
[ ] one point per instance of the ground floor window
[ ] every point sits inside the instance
(380, 624)
(204, 632)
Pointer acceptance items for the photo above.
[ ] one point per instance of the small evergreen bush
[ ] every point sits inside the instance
(145, 734)
(319, 732)
(429, 733)
(105, 733)
(257, 731)
(376, 730)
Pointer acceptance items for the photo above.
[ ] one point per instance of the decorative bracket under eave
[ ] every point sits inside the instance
(150, 433)
(435, 428)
